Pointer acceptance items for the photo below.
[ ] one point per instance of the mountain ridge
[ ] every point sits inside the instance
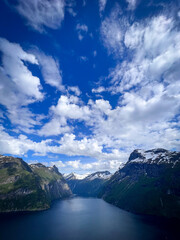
(149, 183)
(26, 187)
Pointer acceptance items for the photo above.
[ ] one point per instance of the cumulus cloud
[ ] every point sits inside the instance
(70, 107)
(20, 145)
(18, 83)
(14, 68)
(140, 120)
(85, 147)
(80, 167)
(40, 13)
(67, 145)
(54, 127)
(67, 108)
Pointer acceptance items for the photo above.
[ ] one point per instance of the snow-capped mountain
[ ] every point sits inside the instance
(148, 183)
(98, 175)
(75, 176)
(88, 186)
(154, 156)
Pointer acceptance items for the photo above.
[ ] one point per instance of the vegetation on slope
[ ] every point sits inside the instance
(23, 188)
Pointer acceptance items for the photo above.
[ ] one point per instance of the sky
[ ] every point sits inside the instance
(84, 83)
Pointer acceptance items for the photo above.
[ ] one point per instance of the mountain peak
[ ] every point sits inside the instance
(99, 175)
(157, 155)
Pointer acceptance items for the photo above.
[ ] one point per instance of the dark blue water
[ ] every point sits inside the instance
(84, 219)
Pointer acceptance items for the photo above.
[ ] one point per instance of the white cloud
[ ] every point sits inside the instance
(79, 166)
(99, 89)
(24, 118)
(54, 127)
(75, 90)
(50, 70)
(18, 83)
(141, 120)
(84, 147)
(155, 50)
(41, 13)
(82, 27)
(132, 4)
(20, 145)
(15, 70)
(148, 81)
(67, 145)
(102, 5)
(82, 30)
(112, 31)
(67, 108)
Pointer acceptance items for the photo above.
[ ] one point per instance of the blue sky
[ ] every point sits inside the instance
(84, 83)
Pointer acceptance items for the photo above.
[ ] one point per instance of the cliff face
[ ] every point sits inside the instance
(149, 183)
(23, 189)
(51, 181)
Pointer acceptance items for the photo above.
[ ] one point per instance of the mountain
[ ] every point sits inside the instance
(149, 183)
(98, 175)
(73, 176)
(26, 187)
(51, 181)
(88, 186)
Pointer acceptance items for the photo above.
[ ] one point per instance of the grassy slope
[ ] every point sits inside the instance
(46, 175)
(16, 178)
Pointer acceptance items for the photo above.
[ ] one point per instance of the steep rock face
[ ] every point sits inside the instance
(51, 181)
(22, 189)
(149, 183)
(88, 186)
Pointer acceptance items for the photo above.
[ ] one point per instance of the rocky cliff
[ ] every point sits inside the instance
(51, 181)
(29, 188)
(149, 183)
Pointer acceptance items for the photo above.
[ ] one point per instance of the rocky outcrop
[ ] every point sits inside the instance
(29, 188)
(149, 183)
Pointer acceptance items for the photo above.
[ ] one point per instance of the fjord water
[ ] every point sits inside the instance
(84, 219)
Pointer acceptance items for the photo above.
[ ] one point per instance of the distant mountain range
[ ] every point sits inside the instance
(87, 186)
(149, 183)
(26, 187)
(73, 176)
